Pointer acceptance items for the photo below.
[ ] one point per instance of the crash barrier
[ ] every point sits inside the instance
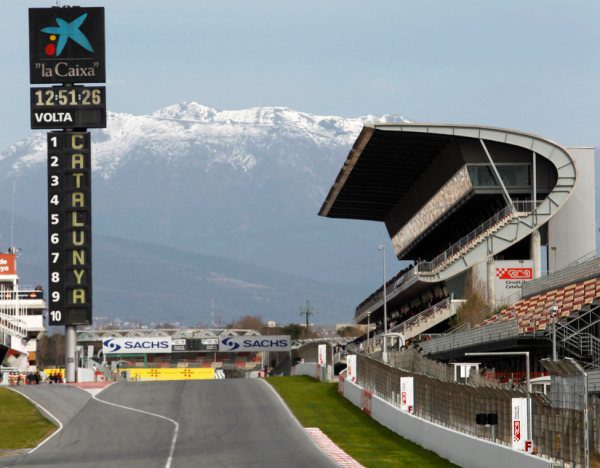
(141, 374)
(460, 448)
(558, 433)
(312, 369)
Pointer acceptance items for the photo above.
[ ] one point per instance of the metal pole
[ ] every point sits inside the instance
(586, 422)
(529, 405)
(70, 348)
(368, 330)
(385, 328)
(554, 310)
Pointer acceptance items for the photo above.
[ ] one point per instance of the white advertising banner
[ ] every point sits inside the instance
(519, 423)
(351, 368)
(407, 394)
(240, 344)
(322, 355)
(509, 277)
(158, 344)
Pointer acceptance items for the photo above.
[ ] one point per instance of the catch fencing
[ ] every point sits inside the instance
(558, 433)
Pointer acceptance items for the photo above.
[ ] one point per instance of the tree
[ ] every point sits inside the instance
(349, 332)
(295, 330)
(249, 322)
(51, 350)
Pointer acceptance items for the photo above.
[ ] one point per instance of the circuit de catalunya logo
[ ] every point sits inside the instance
(514, 273)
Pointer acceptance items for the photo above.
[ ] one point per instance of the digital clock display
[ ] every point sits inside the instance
(68, 107)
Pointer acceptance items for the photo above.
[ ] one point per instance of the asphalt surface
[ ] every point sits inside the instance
(236, 422)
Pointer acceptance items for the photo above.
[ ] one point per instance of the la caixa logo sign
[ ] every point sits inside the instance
(66, 45)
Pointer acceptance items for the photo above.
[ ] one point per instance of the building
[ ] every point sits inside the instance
(477, 211)
(21, 317)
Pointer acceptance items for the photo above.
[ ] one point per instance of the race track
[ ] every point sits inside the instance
(237, 422)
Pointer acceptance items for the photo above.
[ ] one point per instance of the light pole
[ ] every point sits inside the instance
(554, 310)
(368, 331)
(527, 374)
(384, 354)
(308, 312)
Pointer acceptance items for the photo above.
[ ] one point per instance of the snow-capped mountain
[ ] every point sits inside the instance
(244, 185)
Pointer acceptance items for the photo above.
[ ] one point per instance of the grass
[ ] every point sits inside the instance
(22, 425)
(317, 404)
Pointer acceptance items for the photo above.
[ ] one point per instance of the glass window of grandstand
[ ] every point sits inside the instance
(513, 175)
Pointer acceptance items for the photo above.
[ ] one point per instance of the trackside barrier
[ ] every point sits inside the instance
(170, 373)
(457, 447)
(314, 370)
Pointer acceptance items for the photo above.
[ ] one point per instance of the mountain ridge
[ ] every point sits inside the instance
(242, 185)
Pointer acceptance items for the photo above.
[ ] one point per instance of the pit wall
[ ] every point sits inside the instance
(459, 448)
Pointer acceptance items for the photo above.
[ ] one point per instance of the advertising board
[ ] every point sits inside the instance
(509, 277)
(322, 354)
(66, 45)
(519, 423)
(239, 344)
(407, 394)
(7, 264)
(136, 345)
(351, 368)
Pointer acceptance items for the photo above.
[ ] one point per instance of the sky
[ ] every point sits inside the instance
(527, 65)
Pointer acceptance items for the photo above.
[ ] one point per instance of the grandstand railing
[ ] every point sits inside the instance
(420, 317)
(375, 340)
(571, 274)
(464, 244)
(493, 332)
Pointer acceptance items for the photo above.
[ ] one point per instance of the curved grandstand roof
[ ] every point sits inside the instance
(387, 159)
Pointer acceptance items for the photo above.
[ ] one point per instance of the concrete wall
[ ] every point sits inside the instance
(457, 447)
(313, 370)
(305, 368)
(573, 229)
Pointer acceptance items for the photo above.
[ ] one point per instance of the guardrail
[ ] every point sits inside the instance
(571, 274)
(493, 332)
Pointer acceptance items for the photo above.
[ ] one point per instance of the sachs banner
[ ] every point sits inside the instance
(240, 344)
(136, 345)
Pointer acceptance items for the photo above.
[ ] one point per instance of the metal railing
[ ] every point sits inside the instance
(493, 332)
(569, 275)
(423, 315)
(480, 232)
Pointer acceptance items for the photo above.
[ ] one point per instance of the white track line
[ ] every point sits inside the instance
(175, 432)
(60, 426)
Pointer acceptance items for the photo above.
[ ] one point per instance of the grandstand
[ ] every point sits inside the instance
(476, 211)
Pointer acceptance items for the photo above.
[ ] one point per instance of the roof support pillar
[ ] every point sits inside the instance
(495, 169)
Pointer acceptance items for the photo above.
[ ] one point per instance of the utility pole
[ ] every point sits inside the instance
(308, 311)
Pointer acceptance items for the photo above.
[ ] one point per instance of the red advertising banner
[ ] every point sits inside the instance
(7, 264)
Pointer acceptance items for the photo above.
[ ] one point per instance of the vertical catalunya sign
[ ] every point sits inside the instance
(69, 228)
(66, 45)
